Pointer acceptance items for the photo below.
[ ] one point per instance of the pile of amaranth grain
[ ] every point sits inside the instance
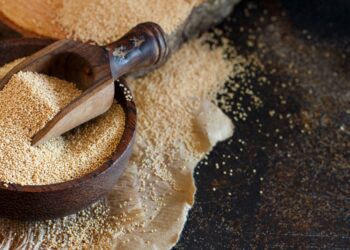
(94, 22)
(28, 101)
(149, 205)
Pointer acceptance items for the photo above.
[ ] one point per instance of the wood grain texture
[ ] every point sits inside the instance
(143, 47)
(55, 200)
(40, 21)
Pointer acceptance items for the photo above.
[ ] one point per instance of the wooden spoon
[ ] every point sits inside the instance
(94, 70)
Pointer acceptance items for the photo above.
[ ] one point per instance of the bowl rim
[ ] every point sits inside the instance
(123, 146)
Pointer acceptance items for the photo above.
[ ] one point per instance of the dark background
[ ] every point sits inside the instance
(290, 186)
(283, 180)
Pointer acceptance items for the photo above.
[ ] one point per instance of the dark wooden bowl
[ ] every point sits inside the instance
(57, 200)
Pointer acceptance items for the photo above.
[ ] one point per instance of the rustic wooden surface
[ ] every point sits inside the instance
(305, 197)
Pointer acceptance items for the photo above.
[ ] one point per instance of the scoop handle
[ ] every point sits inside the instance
(143, 47)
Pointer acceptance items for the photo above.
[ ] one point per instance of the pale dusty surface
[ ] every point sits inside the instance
(148, 207)
(103, 21)
(207, 119)
(28, 102)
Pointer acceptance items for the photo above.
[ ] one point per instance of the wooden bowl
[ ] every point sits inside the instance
(38, 202)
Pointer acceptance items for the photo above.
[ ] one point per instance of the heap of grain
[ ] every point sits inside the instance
(103, 29)
(102, 21)
(28, 102)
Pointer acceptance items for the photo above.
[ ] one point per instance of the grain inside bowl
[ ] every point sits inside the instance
(27, 103)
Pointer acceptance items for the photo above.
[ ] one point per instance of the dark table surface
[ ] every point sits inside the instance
(283, 180)
(288, 185)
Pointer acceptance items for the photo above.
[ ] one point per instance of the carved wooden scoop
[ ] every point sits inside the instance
(94, 70)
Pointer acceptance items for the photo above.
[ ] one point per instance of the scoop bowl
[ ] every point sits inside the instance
(38, 202)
